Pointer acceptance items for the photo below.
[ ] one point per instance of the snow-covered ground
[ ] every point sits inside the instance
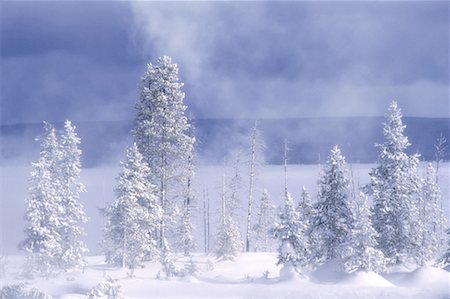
(242, 278)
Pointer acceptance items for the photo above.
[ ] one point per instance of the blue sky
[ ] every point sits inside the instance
(83, 60)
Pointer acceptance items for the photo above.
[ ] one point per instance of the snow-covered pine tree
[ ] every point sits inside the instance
(132, 221)
(305, 208)
(73, 216)
(333, 219)
(233, 188)
(162, 133)
(228, 239)
(360, 251)
(307, 213)
(445, 259)
(440, 150)
(431, 219)
(264, 222)
(293, 250)
(395, 189)
(43, 241)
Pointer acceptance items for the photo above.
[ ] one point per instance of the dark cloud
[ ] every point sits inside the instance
(68, 60)
(83, 60)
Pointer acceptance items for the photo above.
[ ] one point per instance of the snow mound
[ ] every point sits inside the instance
(369, 279)
(429, 277)
(288, 273)
(330, 272)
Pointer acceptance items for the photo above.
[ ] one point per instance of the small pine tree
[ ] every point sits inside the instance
(431, 219)
(445, 259)
(130, 233)
(228, 239)
(305, 208)
(334, 219)
(293, 250)
(264, 221)
(360, 251)
(185, 240)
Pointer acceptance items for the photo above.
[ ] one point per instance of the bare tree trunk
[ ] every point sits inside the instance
(204, 220)
(207, 223)
(223, 200)
(285, 168)
(250, 191)
(163, 199)
(124, 247)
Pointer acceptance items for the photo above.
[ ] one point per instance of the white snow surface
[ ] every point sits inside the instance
(242, 278)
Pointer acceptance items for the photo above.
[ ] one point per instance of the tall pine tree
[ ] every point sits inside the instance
(43, 242)
(334, 219)
(162, 134)
(395, 190)
(73, 215)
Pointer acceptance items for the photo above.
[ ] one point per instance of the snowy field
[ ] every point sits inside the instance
(242, 278)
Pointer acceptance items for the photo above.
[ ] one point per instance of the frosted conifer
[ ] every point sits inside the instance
(395, 190)
(334, 219)
(360, 251)
(73, 216)
(264, 222)
(431, 219)
(162, 133)
(228, 239)
(293, 250)
(130, 233)
(43, 241)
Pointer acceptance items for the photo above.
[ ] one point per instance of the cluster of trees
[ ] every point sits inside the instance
(53, 211)
(404, 225)
(151, 215)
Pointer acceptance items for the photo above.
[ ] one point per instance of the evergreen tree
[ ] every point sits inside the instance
(395, 187)
(130, 233)
(73, 216)
(162, 133)
(305, 208)
(293, 250)
(228, 240)
(360, 251)
(445, 259)
(233, 188)
(431, 219)
(334, 219)
(43, 241)
(264, 222)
